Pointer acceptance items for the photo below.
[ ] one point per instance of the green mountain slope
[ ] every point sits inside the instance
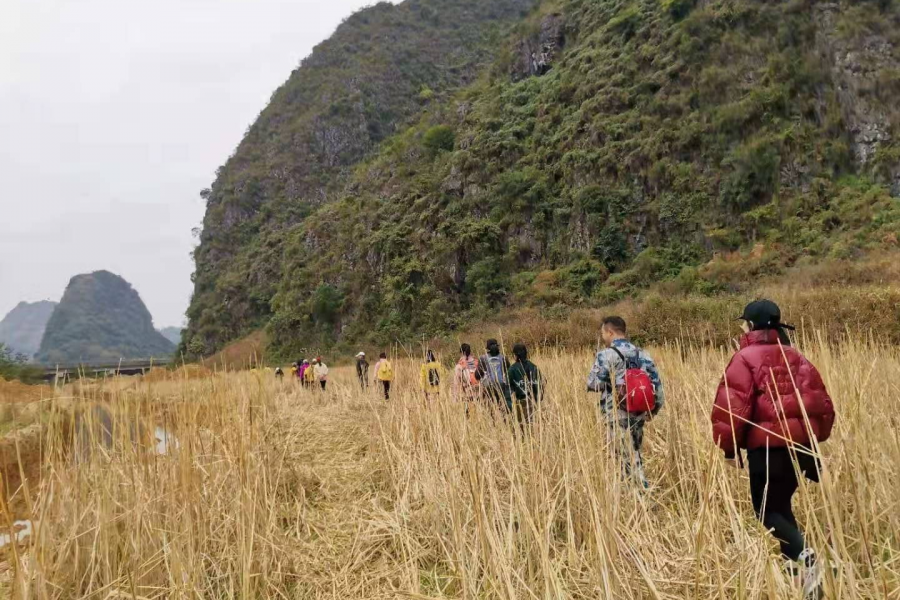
(23, 327)
(609, 146)
(101, 318)
(381, 66)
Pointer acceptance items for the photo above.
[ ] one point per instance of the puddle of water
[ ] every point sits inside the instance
(19, 535)
(165, 441)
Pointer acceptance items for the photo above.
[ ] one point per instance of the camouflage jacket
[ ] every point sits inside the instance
(607, 362)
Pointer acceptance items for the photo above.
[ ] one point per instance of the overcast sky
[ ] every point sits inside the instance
(114, 114)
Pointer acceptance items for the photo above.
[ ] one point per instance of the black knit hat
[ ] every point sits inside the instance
(764, 314)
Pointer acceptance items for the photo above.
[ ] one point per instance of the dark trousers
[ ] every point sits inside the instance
(387, 389)
(524, 409)
(323, 383)
(773, 482)
(499, 396)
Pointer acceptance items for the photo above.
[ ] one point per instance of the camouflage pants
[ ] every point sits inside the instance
(627, 436)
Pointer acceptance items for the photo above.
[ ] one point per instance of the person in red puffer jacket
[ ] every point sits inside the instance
(773, 403)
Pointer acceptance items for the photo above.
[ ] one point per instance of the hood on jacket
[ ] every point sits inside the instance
(759, 337)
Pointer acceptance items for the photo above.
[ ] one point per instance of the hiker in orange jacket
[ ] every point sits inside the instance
(465, 385)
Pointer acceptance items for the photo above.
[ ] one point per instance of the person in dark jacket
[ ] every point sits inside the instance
(362, 370)
(493, 373)
(526, 384)
(772, 402)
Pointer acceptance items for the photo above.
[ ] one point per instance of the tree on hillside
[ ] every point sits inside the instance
(15, 366)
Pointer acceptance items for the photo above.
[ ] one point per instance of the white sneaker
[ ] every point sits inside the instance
(813, 575)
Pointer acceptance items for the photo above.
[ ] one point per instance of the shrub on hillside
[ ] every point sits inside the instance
(15, 366)
(326, 304)
(439, 138)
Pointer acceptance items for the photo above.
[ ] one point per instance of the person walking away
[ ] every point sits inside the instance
(772, 403)
(631, 393)
(301, 371)
(526, 384)
(493, 373)
(362, 370)
(294, 368)
(321, 373)
(431, 374)
(465, 384)
(384, 374)
(279, 374)
(309, 374)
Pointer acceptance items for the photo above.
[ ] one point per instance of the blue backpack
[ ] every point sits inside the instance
(495, 370)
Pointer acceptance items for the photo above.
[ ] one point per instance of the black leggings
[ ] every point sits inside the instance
(387, 389)
(323, 384)
(773, 482)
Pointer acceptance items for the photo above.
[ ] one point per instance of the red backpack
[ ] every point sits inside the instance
(637, 395)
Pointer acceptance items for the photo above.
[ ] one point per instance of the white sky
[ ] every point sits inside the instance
(114, 114)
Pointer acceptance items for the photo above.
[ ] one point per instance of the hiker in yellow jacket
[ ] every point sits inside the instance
(309, 375)
(431, 374)
(384, 374)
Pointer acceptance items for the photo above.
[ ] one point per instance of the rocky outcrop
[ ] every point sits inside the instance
(856, 63)
(580, 237)
(536, 55)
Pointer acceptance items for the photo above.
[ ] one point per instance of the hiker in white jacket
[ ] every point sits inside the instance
(321, 371)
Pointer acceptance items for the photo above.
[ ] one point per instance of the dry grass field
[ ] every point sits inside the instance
(272, 491)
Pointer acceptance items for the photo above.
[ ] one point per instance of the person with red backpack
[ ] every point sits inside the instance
(772, 402)
(631, 393)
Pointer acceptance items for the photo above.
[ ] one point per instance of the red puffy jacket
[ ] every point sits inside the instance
(762, 397)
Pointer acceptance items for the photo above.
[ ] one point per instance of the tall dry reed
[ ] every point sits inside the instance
(276, 491)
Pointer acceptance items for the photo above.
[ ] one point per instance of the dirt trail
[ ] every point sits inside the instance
(342, 516)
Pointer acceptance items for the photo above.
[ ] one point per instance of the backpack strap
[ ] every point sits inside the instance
(622, 356)
(635, 363)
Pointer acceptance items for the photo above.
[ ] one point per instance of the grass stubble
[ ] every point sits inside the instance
(279, 492)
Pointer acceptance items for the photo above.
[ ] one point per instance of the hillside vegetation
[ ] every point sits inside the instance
(608, 146)
(101, 318)
(381, 67)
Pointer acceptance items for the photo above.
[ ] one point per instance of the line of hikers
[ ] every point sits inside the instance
(514, 387)
(771, 402)
(308, 373)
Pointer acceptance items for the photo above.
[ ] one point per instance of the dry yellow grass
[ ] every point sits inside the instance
(18, 392)
(282, 493)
